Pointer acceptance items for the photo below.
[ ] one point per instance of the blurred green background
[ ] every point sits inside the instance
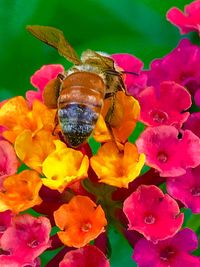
(138, 27)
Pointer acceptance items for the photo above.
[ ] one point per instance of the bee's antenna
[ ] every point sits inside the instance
(130, 72)
(114, 72)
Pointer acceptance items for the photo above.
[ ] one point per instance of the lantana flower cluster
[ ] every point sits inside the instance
(54, 197)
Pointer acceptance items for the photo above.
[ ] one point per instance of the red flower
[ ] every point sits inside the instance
(88, 256)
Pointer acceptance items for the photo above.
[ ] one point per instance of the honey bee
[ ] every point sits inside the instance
(79, 93)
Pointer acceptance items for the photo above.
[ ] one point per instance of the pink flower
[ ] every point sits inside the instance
(88, 256)
(5, 222)
(166, 107)
(193, 123)
(169, 151)
(13, 261)
(40, 79)
(173, 252)
(26, 238)
(182, 66)
(186, 188)
(8, 160)
(152, 213)
(135, 84)
(190, 21)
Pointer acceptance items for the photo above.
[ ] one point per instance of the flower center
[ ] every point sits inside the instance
(86, 227)
(2, 228)
(166, 254)
(2, 172)
(150, 219)
(195, 191)
(158, 116)
(4, 252)
(33, 243)
(162, 157)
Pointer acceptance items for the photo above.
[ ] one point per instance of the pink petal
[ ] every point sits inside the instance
(186, 188)
(27, 238)
(46, 73)
(144, 210)
(193, 123)
(173, 252)
(164, 150)
(134, 84)
(8, 160)
(33, 95)
(156, 109)
(187, 22)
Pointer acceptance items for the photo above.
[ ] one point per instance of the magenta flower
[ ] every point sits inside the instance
(169, 151)
(193, 123)
(26, 238)
(186, 188)
(173, 252)
(182, 66)
(152, 213)
(134, 84)
(166, 107)
(88, 256)
(40, 79)
(190, 21)
(8, 160)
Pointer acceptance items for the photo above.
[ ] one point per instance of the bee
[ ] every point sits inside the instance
(79, 93)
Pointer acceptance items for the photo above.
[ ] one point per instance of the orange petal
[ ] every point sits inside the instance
(81, 221)
(123, 120)
(21, 191)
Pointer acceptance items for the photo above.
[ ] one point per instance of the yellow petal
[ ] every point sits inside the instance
(33, 150)
(117, 168)
(63, 167)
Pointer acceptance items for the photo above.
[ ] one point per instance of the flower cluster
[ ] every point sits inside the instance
(139, 188)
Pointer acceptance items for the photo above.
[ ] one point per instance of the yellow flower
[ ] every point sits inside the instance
(20, 191)
(123, 120)
(63, 167)
(33, 150)
(117, 168)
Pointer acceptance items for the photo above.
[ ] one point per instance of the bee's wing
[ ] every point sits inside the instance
(51, 93)
(56, 39)
(95, 58)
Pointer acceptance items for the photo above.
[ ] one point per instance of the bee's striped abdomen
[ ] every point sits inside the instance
(79, 106)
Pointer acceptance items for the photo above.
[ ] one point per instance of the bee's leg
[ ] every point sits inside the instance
(108, 118)
(56, 124)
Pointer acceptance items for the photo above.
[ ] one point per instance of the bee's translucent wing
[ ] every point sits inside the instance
(95, 58)
(56, 39)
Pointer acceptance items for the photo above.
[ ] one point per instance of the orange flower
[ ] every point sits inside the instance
(117, 168)
(123, 121)
(80, 221)
(64, 166)
(20, 191)
(33, 150)
(16, 116)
